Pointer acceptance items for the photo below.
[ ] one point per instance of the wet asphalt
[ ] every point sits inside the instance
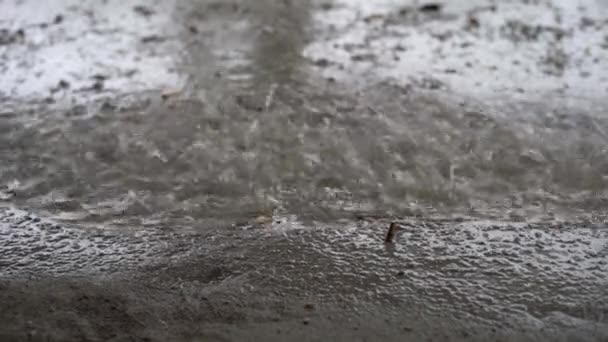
(208, 170)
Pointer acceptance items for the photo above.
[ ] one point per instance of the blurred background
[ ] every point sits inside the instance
(226, 110)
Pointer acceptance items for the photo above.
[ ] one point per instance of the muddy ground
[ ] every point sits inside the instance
(226, 170)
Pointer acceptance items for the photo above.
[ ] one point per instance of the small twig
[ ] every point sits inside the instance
(392, 230)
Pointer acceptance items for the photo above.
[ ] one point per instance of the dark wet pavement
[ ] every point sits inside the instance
(440, 279)
(260, 149)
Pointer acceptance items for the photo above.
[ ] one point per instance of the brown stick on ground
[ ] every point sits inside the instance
(392, 230)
